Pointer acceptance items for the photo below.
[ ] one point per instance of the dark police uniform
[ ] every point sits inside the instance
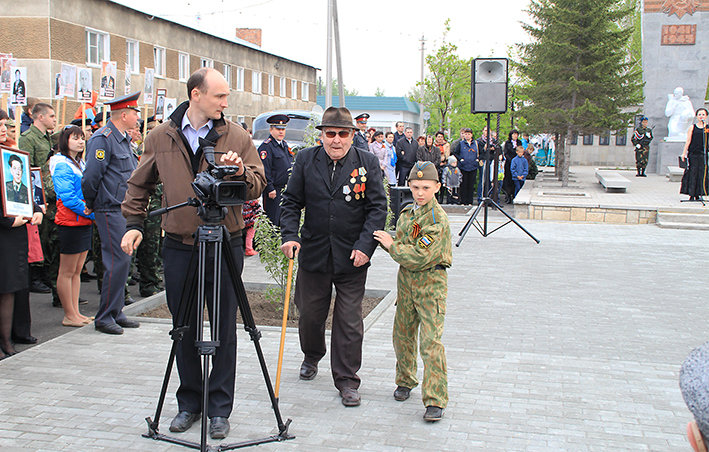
(277, 162)
(109, 163)
(360, 140)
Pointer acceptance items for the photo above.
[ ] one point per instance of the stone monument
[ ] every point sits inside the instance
(681, 113)
(675, 54)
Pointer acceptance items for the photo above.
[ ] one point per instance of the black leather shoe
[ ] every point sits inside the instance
(350, 397)
(111, 328)
(129, 300)
(183, 421)
(402, 393)
(24, 340)
(39, 287)
(86, 277)
(218, 427)
(433, 414)
(83, 301)
(127, 323)
(308, 371)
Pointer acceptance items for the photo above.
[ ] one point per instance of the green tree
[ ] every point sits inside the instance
(576, 72)
(379, 92)
(335, 89)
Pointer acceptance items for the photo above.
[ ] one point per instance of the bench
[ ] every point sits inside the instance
(675, 173)
(612, 180)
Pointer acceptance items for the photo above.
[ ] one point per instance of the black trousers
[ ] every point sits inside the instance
(272, 207)
(313, 293)
(176, 260)
(21, 317)
(403, 174)
(467, 187)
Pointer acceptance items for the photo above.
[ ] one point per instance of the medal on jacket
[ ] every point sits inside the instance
(346, 191)
(363, 177)
(353, 176)
(416, 229)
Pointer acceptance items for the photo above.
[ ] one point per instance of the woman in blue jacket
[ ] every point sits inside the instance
(74, 221)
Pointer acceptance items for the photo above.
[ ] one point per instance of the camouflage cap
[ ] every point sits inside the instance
(423, 171)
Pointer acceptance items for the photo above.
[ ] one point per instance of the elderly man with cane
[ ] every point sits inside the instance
(341, 189)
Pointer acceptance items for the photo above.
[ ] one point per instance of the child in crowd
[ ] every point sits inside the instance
(520, 169)
(250, 210)
(451, 180)
(422, 248)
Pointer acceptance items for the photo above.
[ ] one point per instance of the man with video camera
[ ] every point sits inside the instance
(173, 154)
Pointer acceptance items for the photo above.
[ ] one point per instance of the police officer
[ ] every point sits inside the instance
(360, 136)
(277, 162)
(641, 139)
(109, 163)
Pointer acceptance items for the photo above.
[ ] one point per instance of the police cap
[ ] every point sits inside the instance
(278, 121)
(362, 118)
(127, 101)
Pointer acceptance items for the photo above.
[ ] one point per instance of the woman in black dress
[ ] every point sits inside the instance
(510, 152)
(13, 261)
(695, 182)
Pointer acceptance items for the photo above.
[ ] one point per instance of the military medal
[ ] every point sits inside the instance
(419, 174)
(346, 191)
(354, 175)
(363, 178)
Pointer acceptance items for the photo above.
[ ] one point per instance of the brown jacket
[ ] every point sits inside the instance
(167, 159)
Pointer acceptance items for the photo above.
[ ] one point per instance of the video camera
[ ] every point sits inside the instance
(210, 186)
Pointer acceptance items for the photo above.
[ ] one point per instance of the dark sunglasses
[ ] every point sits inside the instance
(341, 133)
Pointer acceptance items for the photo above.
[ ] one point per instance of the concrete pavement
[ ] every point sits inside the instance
(573, 344)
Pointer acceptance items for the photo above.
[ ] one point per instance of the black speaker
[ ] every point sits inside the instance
(488, 93)
(399, 197)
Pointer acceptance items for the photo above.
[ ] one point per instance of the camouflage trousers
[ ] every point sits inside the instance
(147, 257)
(420, 312)
(641, 156)
(49, 269)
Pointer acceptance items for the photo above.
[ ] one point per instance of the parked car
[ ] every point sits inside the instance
(296, 131)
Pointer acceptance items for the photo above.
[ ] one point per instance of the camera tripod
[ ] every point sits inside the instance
(486, 201)
(212, 240)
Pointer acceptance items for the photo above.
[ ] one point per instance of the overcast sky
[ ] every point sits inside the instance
(380, 40)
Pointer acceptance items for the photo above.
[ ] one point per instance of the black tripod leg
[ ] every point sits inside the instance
(513, 220)
(250, 327)
(464, 231)
(180, 325)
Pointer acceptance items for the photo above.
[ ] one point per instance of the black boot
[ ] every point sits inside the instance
(638, 170)
(642, 174)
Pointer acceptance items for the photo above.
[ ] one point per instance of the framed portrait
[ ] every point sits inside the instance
(148, 94)
(6, 62)
(107, 87)
(37, 186)
(67, 87)
(85, 85)
(16, 186)
(170, 105)
(128, 79)
(159, 107)
(18, 95)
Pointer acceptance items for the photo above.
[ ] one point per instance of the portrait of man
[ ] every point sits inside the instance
(19, 88)
(85, 85)
(107, 87)
(16, 183)
(148, 95)
(68, 85)
(37, 190)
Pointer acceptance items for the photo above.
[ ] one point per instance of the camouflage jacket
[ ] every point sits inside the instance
(38, 145)
(423, 238)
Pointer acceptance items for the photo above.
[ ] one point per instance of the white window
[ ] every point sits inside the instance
(132, 56)
(283, 87)
(159, 58)
(304, 88)
(240, 119)
(227, 74)
(271, 85)
(98, 47)
(293, 89)
(206, 62)
(184, 66)
(240, 79)
(256, 82)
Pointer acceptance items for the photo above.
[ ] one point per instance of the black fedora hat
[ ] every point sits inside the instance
(337, 117)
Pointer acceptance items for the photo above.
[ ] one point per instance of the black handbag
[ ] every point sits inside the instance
(682, 162)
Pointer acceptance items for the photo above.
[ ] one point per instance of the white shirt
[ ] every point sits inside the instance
(194, 135)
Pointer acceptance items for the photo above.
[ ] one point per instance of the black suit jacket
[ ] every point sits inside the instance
(332, 223)
(406, 153)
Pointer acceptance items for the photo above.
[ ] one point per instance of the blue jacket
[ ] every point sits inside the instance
(519, 167)
(109, 164)
(66, 177)
(467, 155)
(277, 162)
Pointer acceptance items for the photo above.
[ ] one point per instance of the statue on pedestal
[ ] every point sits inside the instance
(681, 113)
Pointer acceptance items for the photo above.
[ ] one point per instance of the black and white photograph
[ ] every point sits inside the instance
(16, 193)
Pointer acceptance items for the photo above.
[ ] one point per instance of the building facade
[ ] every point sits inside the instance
(43, 34)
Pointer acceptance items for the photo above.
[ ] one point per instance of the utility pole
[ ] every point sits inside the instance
(328, 64)
(423, 41)
(340, 81)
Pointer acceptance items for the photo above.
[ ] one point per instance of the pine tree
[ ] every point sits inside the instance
(576, 72)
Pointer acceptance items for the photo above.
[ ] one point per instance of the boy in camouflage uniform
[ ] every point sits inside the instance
(422, 248)
(641, 139)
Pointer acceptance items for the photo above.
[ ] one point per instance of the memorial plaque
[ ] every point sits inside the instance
(678, 7)
(678, 35)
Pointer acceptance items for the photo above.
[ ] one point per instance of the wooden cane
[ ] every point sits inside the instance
(285, 321)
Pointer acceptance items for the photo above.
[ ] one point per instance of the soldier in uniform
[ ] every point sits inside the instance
(360, 137)
(641, 139)
(422, 248)
(277, 162)
(109, 163)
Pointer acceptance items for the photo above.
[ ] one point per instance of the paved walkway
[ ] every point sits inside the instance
(573, 344)
(651, 192)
